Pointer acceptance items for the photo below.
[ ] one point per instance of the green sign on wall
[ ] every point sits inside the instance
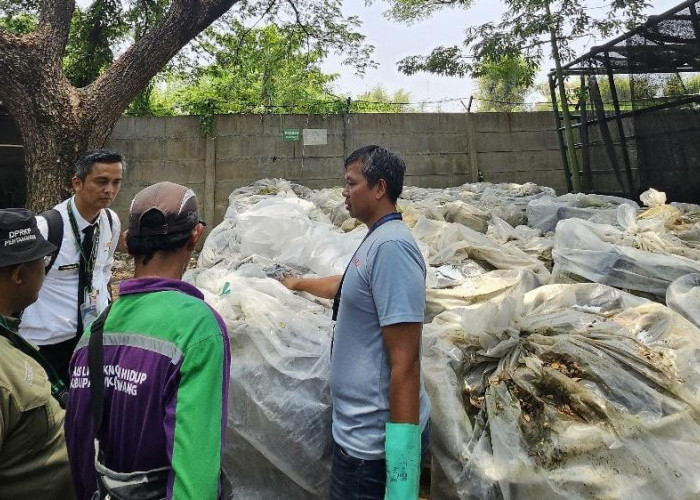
(291, 134)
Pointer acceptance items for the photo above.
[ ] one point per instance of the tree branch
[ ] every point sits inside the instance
(128, 75)
(16, 52)
(54, 26)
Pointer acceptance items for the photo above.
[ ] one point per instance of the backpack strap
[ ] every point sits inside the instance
(54, 220)
(109, 218)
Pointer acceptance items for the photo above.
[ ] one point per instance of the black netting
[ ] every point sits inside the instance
(640, 109)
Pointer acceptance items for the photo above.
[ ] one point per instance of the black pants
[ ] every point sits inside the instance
(59, 356)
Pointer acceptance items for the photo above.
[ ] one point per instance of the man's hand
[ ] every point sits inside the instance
(290, 281)
(326, 287)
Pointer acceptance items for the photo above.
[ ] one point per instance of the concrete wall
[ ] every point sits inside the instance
(440, 150)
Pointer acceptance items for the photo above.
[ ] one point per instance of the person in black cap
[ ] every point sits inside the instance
(33, 456)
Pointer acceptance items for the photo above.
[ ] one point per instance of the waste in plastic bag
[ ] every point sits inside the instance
(528, 239)
(640, 260)
(278, 439)
(573, 392)
(543, 213)
(281, 229)
(454, 211)
(509, 201)
(450, 243)
(683, 296)
(657, 208)
(482, 288)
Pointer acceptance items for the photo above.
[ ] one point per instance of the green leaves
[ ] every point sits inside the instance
(378, 100)
(503, 82)
(524, 29)
(252, 70)
(411, 11)
(89, 49)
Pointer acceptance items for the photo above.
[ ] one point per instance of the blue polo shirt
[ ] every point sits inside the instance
(384, 285)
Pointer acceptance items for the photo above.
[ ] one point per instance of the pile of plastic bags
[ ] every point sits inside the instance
(641, 253)
(568, 391)
(538, 389)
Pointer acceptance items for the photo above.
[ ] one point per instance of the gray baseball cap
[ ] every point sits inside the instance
(171, 208)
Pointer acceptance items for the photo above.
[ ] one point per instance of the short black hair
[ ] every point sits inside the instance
(380, 163)
(85, 163)
(144, 247)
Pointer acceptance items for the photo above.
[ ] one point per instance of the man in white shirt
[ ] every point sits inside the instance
(76, 289)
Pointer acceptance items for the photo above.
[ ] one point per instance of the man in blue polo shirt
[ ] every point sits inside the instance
(381, 411)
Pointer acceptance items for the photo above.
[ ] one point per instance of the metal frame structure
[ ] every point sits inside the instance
(666, 44)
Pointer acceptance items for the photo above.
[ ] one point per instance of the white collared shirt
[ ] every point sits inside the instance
(53, 318)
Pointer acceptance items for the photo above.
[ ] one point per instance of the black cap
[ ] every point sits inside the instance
(20, 239)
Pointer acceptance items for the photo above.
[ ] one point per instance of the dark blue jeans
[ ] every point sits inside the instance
(356, 479)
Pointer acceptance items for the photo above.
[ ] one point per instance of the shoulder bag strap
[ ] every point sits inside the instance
(95, 364)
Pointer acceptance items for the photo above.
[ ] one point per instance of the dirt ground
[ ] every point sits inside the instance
(123, 269)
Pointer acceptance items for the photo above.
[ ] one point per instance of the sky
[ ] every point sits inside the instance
(393, 41)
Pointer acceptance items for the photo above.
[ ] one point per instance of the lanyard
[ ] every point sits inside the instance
(383, 220)
(88, 259)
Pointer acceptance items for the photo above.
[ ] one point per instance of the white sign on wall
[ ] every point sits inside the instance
(315, 136)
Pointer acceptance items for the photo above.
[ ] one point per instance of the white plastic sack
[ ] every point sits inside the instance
(450, 243)
(585, 249)
(529, 240)
(281, 229)
(543, 213)
(278, 439)
(653, 198)
(489, 286)
(509, 201)
(575, 392)
(683, 296)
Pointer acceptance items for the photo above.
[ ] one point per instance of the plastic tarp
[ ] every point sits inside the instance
(509, 201)
(454, 211)
(278, 437)
(451, 243)
(529, 240)
(543, 213)
(482, 288)
(505, 200)
(278, 441)
(572, 392)
(635, 258)
(683, 296)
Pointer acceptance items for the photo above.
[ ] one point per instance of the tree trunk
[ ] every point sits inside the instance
(58, 122)
(53, 141)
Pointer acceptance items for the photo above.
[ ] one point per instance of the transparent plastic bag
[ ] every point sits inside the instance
(683, 296)
(573, 391)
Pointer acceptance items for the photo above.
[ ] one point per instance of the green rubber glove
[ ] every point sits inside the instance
(402, 449)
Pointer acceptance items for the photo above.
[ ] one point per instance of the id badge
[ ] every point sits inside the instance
(88, 310)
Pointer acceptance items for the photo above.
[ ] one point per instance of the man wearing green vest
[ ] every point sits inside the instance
(33, 457)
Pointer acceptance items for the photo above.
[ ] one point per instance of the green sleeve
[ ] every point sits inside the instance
(196, 457)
